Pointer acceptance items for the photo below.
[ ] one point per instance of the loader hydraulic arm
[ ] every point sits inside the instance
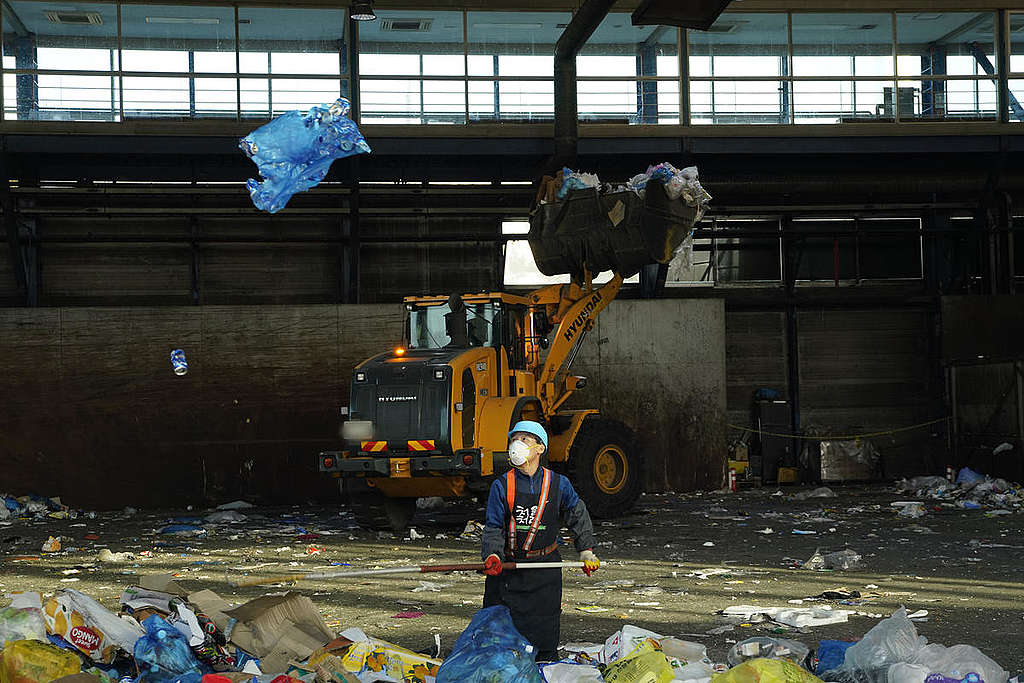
(574, 309)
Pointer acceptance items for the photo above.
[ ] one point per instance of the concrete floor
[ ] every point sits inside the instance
(974, 592)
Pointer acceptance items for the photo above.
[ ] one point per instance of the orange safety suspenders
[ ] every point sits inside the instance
(510, 496)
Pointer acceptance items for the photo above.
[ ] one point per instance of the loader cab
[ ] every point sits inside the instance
(498, 321)
(482, 320)
(453, 325)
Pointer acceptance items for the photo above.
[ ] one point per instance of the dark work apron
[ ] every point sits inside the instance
(533, 596)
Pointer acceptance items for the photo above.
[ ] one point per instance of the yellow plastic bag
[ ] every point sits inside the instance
(645, 664)
(29, 661)
(766, 671)
(382, 657)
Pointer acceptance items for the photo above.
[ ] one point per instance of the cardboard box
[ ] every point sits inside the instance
(215, 607)
(276, 629)
(789, 475)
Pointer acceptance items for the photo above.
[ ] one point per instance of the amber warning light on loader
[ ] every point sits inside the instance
(399, 351)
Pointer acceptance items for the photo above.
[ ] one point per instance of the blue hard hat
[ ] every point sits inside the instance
(530, 427)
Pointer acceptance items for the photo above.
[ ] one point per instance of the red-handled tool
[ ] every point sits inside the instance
(411, 569)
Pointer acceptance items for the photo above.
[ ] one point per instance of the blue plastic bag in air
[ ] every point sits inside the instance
(163, 654)
(295, 151)
(491, 650)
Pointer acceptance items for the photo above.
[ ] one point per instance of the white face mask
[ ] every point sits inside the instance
(518, 453)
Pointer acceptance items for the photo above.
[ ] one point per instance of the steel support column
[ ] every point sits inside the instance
(933, 93)
(13, 238)
(350, 270)
(647, 65)
(26, 85)
(790, 265)
(1004, 97)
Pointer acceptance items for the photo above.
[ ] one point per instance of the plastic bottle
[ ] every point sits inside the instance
(163, 654)
(178, 362)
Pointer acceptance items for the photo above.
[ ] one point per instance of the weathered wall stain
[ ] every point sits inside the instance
(659, 367)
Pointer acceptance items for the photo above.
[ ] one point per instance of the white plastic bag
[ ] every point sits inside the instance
(567, 672)
(890, 641)
(901, 672)
(958, 661)
(625, 641)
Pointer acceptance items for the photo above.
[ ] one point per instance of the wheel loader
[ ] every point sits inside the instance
(431, 416)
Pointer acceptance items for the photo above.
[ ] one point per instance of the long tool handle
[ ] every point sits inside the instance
(411, 569)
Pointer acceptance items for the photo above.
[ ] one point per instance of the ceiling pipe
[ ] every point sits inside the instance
(578, 31)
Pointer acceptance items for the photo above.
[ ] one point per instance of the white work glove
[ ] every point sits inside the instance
(590, 562)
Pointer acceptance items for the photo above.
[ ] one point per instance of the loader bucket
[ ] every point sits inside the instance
(619, 231)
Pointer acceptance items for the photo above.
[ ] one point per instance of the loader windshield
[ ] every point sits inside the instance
(437, 327)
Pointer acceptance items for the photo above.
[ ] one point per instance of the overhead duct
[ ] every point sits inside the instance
(576, 33)
(698, 14)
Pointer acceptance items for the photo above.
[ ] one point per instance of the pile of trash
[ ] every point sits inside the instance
(35, 507)
(970, 491)
(679, 184)
(892, 652)
(633, 654)
(165, 634)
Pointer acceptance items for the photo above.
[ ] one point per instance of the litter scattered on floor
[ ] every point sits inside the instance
(970, 491)
(201, 637)
(796, 617)
(430, 586)
(842, 560)
(911, 509)
(822, 492)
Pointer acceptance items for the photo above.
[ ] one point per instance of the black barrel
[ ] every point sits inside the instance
(619, 231)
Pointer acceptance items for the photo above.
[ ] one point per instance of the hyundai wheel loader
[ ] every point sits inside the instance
(430, 417)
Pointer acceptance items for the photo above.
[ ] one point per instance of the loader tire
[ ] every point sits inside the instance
(399, 512)
(376, 512)
(605, 467)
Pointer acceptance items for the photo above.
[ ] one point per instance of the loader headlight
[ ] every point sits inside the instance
(360, 376)
(438, 374)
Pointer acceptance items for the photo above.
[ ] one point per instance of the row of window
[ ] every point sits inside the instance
(105, 61)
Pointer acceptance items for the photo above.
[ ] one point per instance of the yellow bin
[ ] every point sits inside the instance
(739, 465)
(788, 475)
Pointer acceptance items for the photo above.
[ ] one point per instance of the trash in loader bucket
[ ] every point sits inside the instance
(619, 231)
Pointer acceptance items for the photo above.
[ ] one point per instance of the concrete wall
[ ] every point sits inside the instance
(755, 354)
(867, 372)
(659, 367)
(93, 413)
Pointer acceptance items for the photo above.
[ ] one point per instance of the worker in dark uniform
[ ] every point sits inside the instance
(526, 510)
(455, 322)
